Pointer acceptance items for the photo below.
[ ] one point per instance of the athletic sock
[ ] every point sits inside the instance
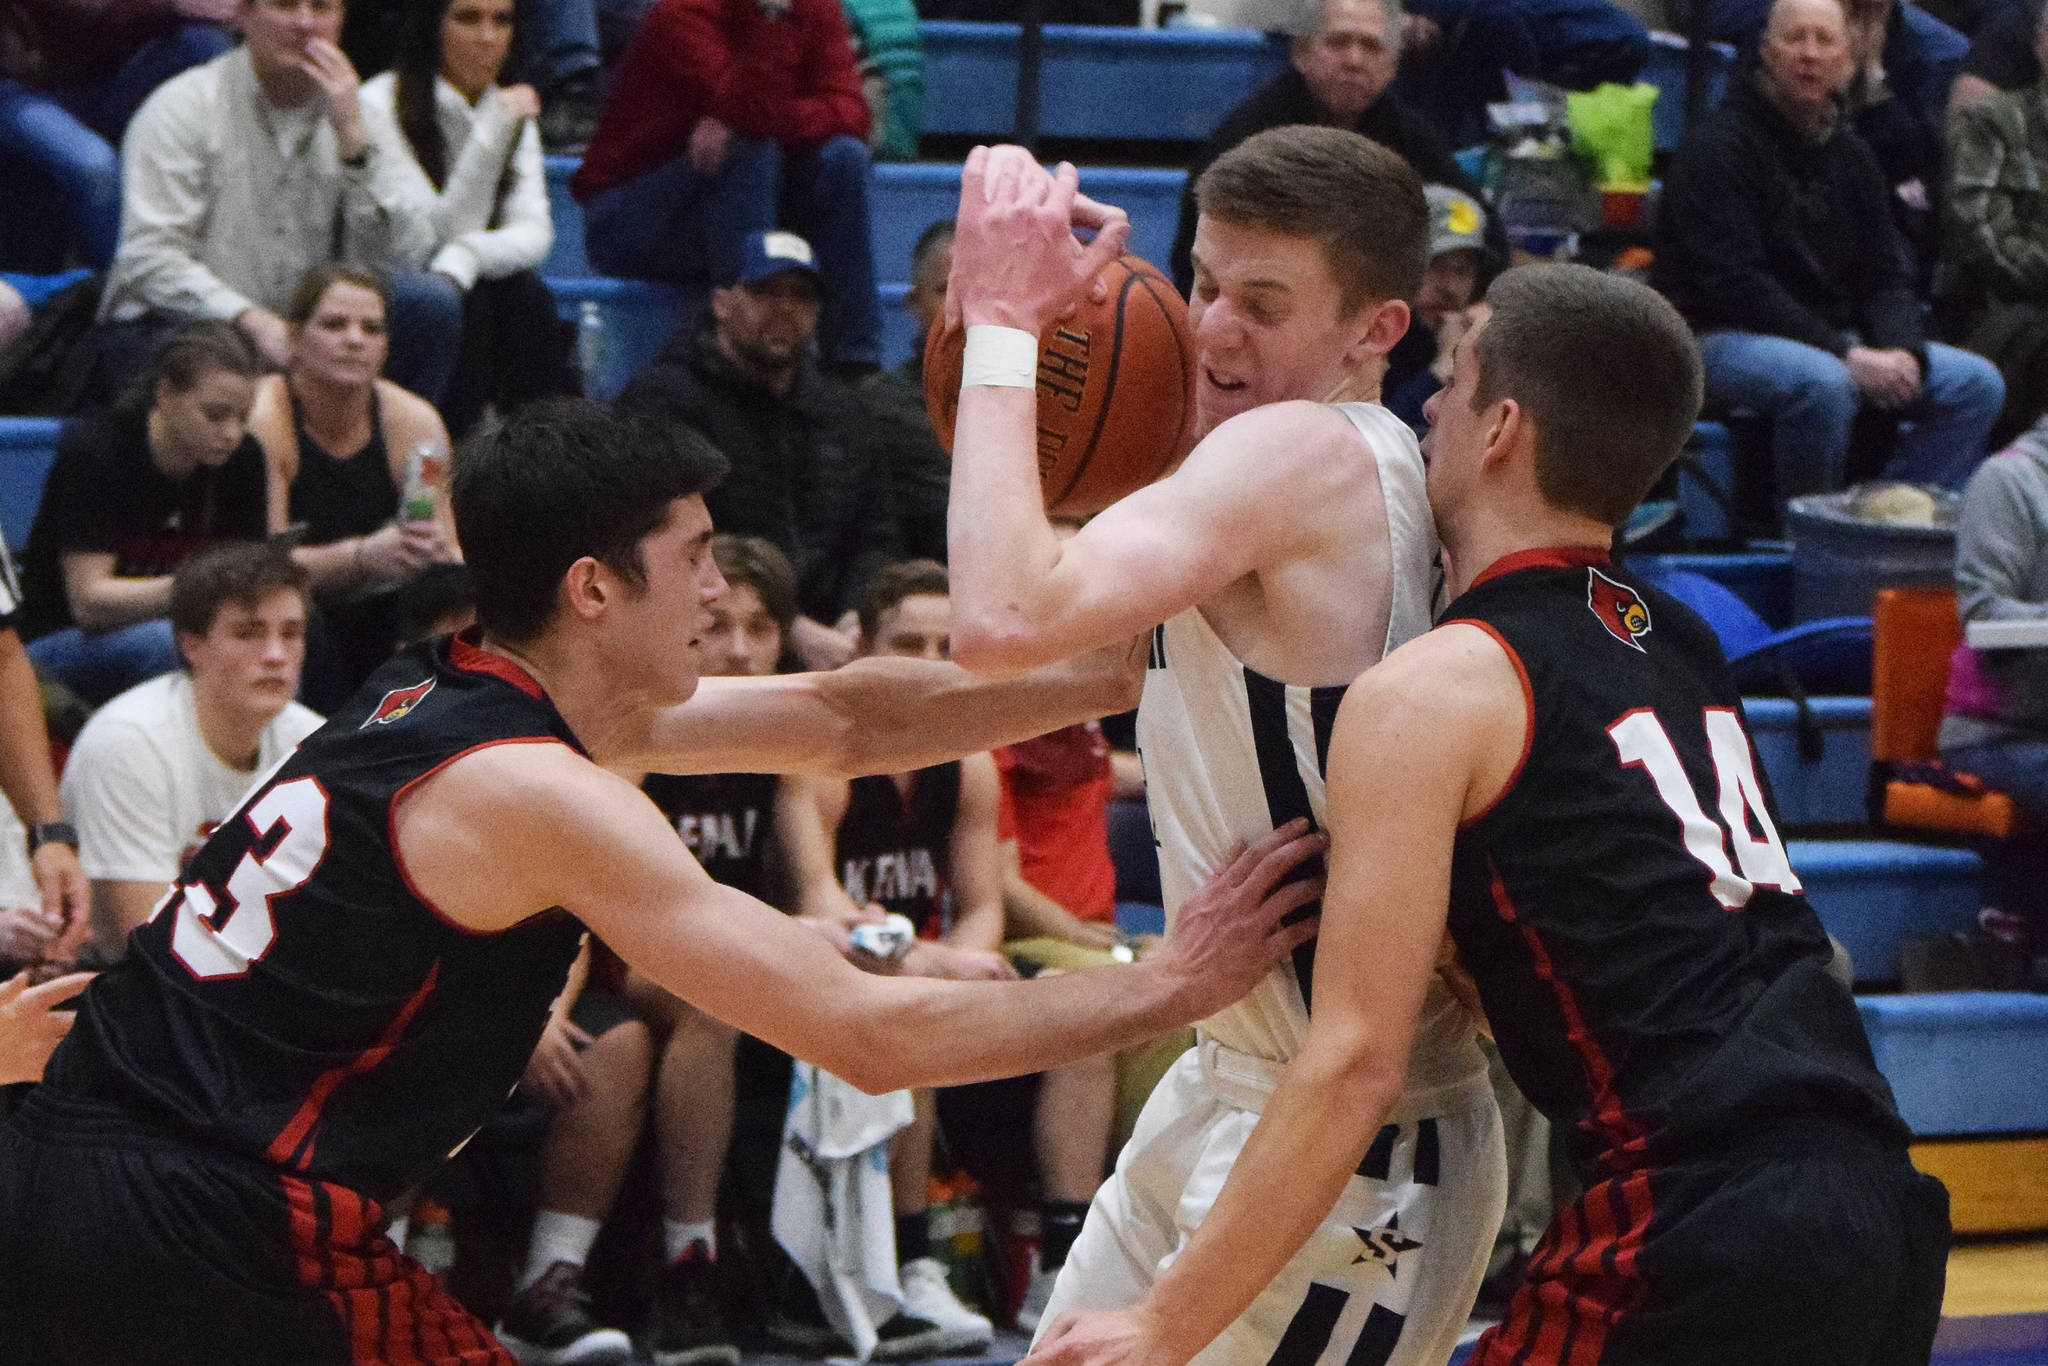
(557, 1237)
(1059, 1223)
(677, 1235)
(400, 1227)
(913, 1236)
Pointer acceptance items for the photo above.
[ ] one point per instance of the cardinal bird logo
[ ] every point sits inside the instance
(397, 703)
(1620, 610)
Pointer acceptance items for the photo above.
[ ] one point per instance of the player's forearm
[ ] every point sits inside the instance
(26, 776)
(939, 1033)
(1308, 1142)
(1000, 548)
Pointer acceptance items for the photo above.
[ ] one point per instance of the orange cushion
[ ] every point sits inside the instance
(1925, 807)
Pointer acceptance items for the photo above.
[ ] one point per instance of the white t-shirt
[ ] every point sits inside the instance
(143, 788)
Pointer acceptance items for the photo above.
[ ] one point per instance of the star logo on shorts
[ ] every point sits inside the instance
(1384, 1245)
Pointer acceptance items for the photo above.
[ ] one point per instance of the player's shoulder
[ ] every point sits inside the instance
(1294, 445)
(524, 788)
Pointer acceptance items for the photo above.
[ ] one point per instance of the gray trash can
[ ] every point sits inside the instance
(1840, 560)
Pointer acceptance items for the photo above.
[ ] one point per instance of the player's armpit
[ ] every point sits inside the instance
(1242, 501)
(881, 715)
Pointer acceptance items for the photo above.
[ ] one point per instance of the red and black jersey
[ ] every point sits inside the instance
(1627, 908)
(727, 820)
(295, 1000)
(895, 852)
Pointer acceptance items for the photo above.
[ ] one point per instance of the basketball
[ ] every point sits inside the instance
(1116, 390)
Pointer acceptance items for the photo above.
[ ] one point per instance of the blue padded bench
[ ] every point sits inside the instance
(907, 198)
(1713, 447)
(1761, 578)
(27, 447)
(639, 317)
(1873, 895)
(1963, 1062)
(1827, 791)
(1148, 84)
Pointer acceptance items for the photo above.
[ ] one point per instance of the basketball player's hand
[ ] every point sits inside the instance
(1016, 261)
(30, 1025)
(555, 1073)
(1106, 1337)
(1230, 932)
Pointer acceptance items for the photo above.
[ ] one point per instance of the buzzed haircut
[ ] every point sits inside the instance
(1361, 202)
(244, 572)
(937, 233)
(1605, 368)
(893, 583)
(558, 480)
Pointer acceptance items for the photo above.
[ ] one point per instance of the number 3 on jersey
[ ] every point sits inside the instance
(1640, 739)
(212, 948)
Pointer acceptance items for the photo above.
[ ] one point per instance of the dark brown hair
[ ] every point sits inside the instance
(1605, 369)
(315, 283)
(893, 583)
(189, 355)
(752, 562)
(1361, 202)
(244, 572)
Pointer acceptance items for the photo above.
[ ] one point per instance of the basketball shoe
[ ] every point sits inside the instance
(549, 1324)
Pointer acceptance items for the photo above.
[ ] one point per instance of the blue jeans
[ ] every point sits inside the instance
(1808, 398)
(101, 664)
(671, 223)
(562, 38)
(72, 135)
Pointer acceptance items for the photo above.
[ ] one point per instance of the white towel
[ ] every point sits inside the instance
(833, 1213)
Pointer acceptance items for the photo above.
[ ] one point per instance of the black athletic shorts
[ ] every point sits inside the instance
(1822, 1247)
(120, 1245)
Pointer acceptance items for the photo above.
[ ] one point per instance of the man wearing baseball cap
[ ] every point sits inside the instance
(746, 377)
(1459, 264)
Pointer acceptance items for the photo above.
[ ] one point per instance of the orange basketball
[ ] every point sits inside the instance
(1116, 390)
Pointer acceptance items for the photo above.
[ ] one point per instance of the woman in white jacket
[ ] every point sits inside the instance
(477, 154)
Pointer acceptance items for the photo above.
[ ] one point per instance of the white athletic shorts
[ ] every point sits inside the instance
(1389, 1277)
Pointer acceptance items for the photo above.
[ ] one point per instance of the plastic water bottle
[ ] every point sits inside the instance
(431, 1239)
(590, 344)
(426, 469)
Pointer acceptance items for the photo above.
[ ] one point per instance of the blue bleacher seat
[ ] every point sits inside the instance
(1830, 790)
(1761, 578)
(1830, 655)
(27, 446)
(1666, 71)
(1874, 895)
(1963, 1062)
(1171, 84)
(1712, 447)
(639, 317)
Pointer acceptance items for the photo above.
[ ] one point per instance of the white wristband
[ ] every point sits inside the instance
(1006, 357)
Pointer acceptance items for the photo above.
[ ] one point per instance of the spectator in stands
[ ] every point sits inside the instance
(159, 766)
(1905, 63)
(134, 491)
(1420, 363)
(337, 441)
(472, 151)
(1455, 51)
(1996, 262)
(50, 930)
(1339, 76)
(240, 175)
(2001, 55)
(562, 51)
(743, 377)
(731, 117)
(1776, 241)
(890, 48)
(72, 73)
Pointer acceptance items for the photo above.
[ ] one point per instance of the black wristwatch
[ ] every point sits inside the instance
(51, 832)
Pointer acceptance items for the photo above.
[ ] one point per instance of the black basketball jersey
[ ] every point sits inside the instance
(727, 820)
(1627, 908)
(896, 853)
(294, 1000)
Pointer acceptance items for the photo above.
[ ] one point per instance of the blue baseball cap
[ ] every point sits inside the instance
(762, 254)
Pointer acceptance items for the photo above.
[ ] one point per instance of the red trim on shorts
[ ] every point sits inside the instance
(393, 1311)
(292, 1146)
(1583, 1276)
(466, 652)
(398, 857)
(1544, 557)
(1528, 711)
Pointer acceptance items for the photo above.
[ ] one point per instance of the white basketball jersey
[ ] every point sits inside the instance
(1231, 754)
